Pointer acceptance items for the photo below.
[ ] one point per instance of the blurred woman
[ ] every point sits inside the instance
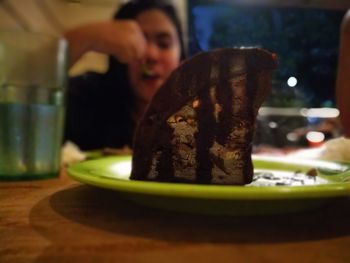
(144, 43)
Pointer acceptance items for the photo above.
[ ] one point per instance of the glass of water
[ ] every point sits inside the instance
(33, 75)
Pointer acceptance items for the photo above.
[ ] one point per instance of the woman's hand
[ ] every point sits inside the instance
(122, 39)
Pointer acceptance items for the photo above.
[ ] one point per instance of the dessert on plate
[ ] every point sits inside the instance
(199, 126)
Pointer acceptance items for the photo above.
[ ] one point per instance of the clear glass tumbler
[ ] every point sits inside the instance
(33, 76)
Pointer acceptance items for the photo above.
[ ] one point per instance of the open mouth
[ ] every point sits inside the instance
(147, 73)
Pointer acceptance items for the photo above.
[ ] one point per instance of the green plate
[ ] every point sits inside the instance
(280, 186)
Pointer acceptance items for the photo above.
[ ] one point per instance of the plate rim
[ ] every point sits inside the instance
(196, 191)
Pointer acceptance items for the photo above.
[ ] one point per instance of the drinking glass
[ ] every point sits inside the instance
(33, 76)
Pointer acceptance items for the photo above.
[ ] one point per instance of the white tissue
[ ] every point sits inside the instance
(336, 150)
(71, 154)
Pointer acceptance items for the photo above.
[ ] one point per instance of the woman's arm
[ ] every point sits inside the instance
(122, 39)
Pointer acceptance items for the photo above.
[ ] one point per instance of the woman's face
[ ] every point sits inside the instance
(162, 54)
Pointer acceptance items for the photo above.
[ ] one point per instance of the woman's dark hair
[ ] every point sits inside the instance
(134, 7)
(131, 10)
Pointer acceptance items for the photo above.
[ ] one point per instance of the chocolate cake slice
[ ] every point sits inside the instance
(199, 126)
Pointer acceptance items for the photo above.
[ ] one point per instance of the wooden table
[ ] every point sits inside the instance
(60, 220)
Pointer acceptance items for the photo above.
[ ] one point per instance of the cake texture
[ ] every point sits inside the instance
(199, 126)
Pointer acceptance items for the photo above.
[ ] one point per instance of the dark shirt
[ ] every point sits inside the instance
(98, 113)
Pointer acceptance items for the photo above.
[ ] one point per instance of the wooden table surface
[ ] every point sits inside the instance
(60, 220)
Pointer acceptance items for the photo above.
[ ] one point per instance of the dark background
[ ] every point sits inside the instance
(305, 39)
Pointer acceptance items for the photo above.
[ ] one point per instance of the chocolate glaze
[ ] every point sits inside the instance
(223, 90)
(224, 95)
(165, 166)
(204, 138)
